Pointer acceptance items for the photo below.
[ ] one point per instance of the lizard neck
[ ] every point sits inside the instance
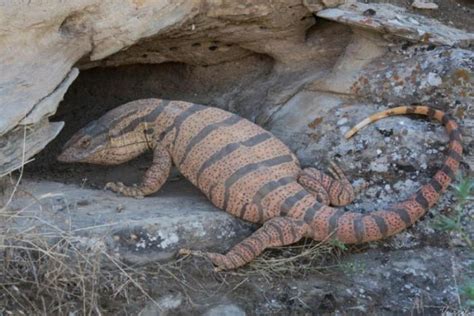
(167, 118)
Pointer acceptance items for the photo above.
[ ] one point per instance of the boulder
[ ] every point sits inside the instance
(301, 50)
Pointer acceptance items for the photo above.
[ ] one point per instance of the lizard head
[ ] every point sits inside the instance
(105, 142)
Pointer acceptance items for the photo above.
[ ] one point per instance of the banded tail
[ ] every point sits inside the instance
(355, 228)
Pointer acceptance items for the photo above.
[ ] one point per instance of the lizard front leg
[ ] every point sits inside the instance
(154, 177)
(278, 231)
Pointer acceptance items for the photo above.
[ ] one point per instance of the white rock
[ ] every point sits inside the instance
(378, 166)
(332, 3)
(434, 79)
(424, 4)
(342, 121)
(230, 310)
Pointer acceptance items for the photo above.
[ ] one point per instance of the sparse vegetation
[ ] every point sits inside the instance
(467, 293)
(464, 192)
(453, 223)
(338, 244)
(40, 277)
(352, 267)
(52, 273)
(306, 257)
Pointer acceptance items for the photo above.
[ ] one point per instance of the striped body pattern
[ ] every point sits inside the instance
(246, 171)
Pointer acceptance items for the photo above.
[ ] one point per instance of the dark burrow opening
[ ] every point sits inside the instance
(100, 89)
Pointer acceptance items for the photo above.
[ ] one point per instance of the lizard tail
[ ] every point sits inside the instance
(354, 228)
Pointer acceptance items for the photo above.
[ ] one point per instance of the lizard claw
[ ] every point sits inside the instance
(184, 252)
(198, 253)
(189, 252)
(114, 186)
(125, 190)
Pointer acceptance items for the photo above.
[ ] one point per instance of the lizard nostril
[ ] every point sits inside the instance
(61, 157)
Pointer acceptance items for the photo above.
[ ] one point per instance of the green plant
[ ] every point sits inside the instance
(338, 244)
(464, 192)
(353, 267)
(467, 291)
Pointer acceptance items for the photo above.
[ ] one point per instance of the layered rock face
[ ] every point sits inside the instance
(272, 53)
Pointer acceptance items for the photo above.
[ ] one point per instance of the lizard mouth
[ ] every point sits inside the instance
(63, 157)
(69, 155)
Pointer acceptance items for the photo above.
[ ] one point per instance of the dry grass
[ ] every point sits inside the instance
(306, 257)
(51, 271)
(55, 275)
(41, 277)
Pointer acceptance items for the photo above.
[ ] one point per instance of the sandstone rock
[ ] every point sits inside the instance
(393, 20)
(196, 32)
(22, 143)
(317, 5)
(87, 33)
(424, 4)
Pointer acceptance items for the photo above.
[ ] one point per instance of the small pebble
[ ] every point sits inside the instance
(342, 121)
(424, 4)
(119, 208)
(434, 79)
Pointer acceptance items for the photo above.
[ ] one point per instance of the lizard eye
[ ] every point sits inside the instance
(85, 142)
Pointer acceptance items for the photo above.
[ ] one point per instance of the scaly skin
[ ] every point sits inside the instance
(246, 171)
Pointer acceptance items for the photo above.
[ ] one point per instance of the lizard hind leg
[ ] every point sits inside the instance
(278, 231)
(335, 189)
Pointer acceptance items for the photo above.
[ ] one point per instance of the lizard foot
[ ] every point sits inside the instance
(123, 189)
(217, 259)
